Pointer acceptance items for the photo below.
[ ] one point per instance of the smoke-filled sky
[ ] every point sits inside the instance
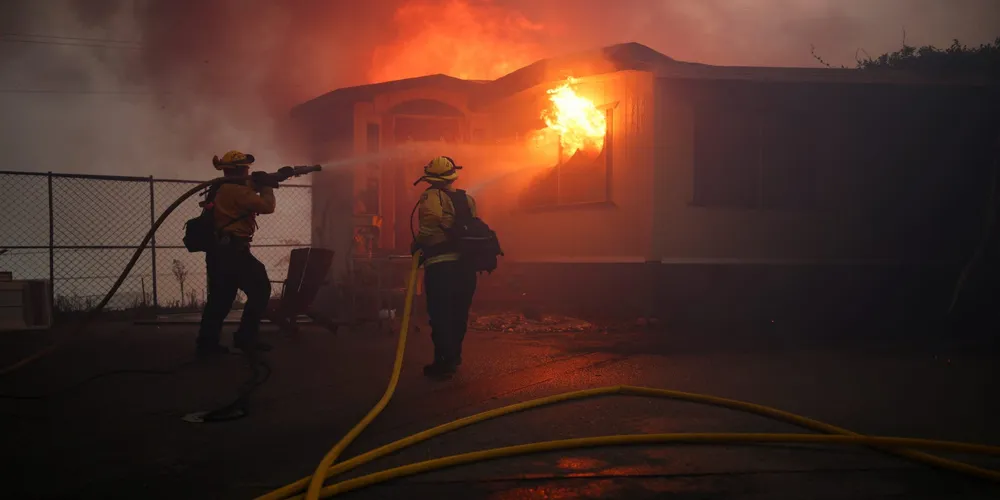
(156, 87)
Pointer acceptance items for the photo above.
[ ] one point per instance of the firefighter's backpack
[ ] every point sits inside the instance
(200, 234)
(477, 244)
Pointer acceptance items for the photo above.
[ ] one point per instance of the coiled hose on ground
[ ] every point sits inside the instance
(326, 469)
(314, 488)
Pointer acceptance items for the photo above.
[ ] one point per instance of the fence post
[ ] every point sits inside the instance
(152, 241)
(52, 244)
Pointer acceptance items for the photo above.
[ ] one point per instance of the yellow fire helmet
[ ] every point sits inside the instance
(440, 169)
(232, 159)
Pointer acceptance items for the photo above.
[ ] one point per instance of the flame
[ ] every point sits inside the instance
(575, 119)
(479, 41)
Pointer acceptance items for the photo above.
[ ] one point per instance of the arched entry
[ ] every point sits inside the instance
(423, 120)
(428, 121)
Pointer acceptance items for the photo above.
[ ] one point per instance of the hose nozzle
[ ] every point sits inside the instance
(284, 173)
(306, 169)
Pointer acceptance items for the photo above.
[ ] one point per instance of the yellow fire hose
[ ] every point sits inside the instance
(836, 435)
(641, 439)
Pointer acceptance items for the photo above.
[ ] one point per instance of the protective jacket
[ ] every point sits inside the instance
(436, 213)
(240, 201)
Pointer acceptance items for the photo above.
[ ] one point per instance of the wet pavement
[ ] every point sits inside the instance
(122, 436)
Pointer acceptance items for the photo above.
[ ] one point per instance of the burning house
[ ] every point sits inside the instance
(673, 186)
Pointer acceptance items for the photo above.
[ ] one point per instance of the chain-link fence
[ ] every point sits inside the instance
(79, 231)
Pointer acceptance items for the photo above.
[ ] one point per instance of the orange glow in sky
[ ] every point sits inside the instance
(475, 42)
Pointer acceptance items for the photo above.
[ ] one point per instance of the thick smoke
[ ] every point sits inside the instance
(204, 76)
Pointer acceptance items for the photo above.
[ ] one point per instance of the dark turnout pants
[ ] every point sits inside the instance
(450, 287)
(231, 268)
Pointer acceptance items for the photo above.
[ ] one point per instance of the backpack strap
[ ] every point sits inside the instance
(460, 203)
(210, 207)
(209, 203)
(234, 221)
(460, 200)
(416, 206)
(462, 213)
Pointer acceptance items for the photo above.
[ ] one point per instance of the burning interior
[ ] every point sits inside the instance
(578, 135)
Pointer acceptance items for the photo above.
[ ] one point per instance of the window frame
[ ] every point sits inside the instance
(608, 151)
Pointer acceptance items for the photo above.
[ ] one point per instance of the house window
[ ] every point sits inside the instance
(754, 159)
(581, 179)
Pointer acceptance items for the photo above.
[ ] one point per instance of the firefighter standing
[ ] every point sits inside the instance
(448, 281)
(230, 265)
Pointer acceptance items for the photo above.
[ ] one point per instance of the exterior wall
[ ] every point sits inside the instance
(897, 208)
(614, 232)
(571, 259)
(597, 260)
(884, 241)
(866, 212)
(685, 232)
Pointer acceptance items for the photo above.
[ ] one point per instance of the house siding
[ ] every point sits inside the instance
(871, 203)
(886, 230)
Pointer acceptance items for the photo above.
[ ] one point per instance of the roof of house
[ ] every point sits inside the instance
(347, 96)
(622, 57)
(638, 57)
(611, 59)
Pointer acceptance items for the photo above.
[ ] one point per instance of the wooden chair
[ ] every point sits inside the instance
(307, 271)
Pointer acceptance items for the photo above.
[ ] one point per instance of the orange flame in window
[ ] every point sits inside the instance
(576, 120)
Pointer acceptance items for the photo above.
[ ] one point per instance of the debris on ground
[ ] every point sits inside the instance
(536, 323)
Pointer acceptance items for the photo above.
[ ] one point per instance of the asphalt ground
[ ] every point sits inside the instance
(122, 436)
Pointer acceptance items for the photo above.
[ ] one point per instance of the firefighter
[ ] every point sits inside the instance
(230, 265)
(448, 281)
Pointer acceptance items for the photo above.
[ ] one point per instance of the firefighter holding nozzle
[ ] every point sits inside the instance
(235, 205)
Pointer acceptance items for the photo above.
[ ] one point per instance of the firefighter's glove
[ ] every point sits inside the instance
(263, 179)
